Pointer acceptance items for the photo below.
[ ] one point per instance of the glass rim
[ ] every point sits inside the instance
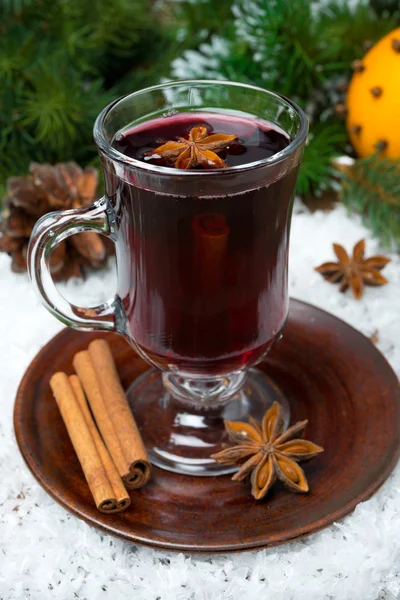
(117, 156)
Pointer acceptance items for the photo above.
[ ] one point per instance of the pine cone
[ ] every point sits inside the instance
(49, 188)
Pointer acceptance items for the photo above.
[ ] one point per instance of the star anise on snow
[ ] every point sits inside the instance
(266, 452)
(354, 271)
(200, 149)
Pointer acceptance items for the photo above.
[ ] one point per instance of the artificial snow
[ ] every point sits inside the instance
(45, 553)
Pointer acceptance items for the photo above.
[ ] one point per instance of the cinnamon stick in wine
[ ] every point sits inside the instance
(211, 241)
(85, 447)
(120, 414)
(120, 493)
(210, 246)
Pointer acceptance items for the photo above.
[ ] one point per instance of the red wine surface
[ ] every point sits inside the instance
(203, 280)
(254, 142)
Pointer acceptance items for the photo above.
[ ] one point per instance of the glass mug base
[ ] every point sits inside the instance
(180, 436)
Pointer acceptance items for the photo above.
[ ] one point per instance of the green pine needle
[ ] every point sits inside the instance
(10, 7)
(285, 37)
(352, 25)
(60, 61)
(371, 187)
(67, 113)
(316, 170)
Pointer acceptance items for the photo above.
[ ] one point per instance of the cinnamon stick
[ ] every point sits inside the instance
(211, 241)
(120, 493)
(84, 367)
(120, 415)
(84, 445)
(208, 327)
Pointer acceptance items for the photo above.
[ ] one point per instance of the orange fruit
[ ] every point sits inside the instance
(373, 99)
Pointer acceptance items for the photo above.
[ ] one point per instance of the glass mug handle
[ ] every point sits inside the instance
(49, 231)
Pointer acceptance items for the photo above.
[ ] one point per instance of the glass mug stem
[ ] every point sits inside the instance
(204, 392)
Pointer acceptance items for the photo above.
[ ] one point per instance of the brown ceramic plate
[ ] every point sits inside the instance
(330, 373)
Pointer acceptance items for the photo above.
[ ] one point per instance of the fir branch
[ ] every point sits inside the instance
(386, 8)
(208, 62)
(9, 7)
(14, 54)
(286, 41)
(199, 20)
(65, 115)
(352, 25)
(59, 62)
(371, 187)
(316, 170)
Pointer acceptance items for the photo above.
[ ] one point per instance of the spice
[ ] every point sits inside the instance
(210, 237)
(354, 271)
(105, 485)
(266, 453)
(97, 372)
(86, 373)
(356, 129)
(396, 45)
(120, 414)
(376, 91)
(357, 66)
(121, 496)
(341, 109)
(210, 246)
(381, 145)
(200, 149)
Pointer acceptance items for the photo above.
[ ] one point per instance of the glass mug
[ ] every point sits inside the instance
(202, 260)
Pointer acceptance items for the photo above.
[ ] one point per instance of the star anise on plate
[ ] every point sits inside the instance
(266, 452)
(200, 149)
(354, 271)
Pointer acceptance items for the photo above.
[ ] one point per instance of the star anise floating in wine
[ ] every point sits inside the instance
(266, 453)
(354, 271)
(200, 149)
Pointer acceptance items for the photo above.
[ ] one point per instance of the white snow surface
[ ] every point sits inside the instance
(47, 554)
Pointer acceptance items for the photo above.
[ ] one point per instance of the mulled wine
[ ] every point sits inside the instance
(199, 182)
(203, 278)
